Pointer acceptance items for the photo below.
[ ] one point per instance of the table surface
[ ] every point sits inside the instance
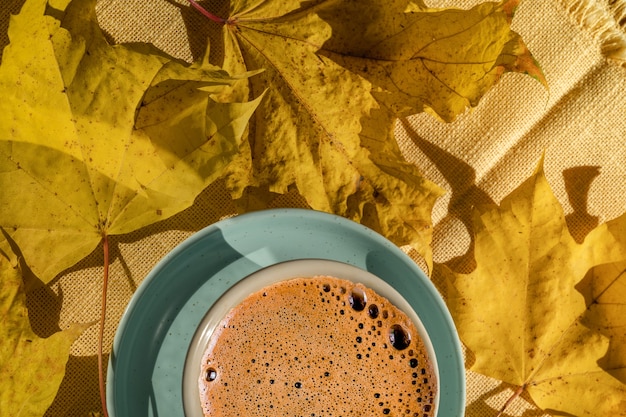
(579, 122)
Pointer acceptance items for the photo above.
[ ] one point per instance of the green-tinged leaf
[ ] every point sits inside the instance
(520, 313)
(31, 368)
(98, 139)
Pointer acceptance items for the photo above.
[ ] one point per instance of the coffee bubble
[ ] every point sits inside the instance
(399, 337)
(372, 311)
(357, 299)
(210, 375)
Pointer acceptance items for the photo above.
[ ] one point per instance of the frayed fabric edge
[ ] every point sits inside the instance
(606, 21)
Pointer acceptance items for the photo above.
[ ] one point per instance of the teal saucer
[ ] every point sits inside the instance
(146, 367)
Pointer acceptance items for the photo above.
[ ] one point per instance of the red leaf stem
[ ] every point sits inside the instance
(206, 13)
(508, 402)
(105, 282)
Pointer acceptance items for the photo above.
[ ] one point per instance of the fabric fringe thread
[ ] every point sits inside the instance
(606, 21)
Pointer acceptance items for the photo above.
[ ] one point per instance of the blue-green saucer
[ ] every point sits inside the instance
(146, 367)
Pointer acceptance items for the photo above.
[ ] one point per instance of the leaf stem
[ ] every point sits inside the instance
(105, 282)
(206, 13)
(512, 398)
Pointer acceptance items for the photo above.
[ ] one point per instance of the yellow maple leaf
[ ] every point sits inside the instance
(100, 140)
(519, 311)
(604, 289)
(437, 60)
(337, 76)
(31, 368)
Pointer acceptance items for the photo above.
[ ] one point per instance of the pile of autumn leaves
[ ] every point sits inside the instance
(99, 139)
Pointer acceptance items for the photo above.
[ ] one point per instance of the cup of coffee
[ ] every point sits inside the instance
(311, 338)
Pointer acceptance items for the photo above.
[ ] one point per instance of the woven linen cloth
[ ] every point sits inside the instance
(579, 123)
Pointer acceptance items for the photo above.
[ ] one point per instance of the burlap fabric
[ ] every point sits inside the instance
(579, 122)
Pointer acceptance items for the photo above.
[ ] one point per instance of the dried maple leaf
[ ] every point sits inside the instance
(104, 139)
(31, 368)
(335, 75)
(519, 311)
(604, 289)
(420, 59)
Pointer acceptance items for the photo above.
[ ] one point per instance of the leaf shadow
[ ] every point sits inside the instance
(9, 7)
(465, 195)
(577, 184)
(43, 305)
(78, 392)
(480, 406)
(202, 33)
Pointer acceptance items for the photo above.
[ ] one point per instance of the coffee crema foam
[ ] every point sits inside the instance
(319, 346)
